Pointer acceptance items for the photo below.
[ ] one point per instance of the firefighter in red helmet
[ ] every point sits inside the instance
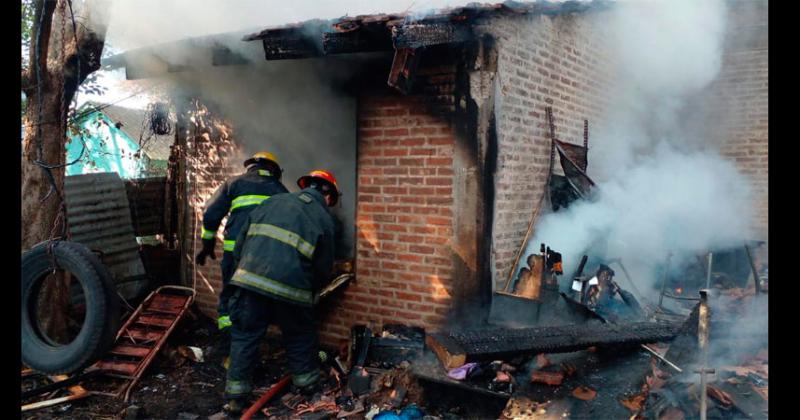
(284, 256)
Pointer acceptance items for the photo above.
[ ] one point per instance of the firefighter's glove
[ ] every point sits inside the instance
(207, 251)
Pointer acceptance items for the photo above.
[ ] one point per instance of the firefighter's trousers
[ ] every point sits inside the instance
(251, 314)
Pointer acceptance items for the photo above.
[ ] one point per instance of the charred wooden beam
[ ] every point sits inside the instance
(359, 40)
(418, 35)
(404, 68)
(455, 347)
(291, 45)
(449, 352)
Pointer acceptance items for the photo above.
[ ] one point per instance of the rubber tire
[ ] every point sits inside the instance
(102, 311)
(113, 307)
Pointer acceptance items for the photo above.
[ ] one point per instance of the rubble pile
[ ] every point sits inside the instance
(616, 359)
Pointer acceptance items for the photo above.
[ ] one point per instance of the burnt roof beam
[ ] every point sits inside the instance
(289, 44)
(417, 35)
(303, 42)
(356, 41)
(404, 68)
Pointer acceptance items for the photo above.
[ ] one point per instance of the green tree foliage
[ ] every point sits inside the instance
(27, 26)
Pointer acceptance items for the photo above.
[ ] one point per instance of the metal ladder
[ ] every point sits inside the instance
(142, 335)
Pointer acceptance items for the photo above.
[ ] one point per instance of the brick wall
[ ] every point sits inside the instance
(404, 218)
(211, 157)
(737, 102)
(556, 61)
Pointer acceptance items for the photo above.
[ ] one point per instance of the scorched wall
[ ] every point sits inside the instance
(556, 61)
(404, 213)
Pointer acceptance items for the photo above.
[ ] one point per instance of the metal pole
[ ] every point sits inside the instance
(664, 283)
(708, 273)
(753, 267)
(662, 358)
(702, 337)
(628, 276)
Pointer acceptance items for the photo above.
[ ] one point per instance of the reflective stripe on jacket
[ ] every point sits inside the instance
(238, 196)
(285, 249)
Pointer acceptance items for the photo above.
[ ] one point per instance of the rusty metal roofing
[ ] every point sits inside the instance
(99, 216)
(467, 13)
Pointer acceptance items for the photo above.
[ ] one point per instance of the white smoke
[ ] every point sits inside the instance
(660, 189)
(664, 51)
(668, 202)
(140, 23)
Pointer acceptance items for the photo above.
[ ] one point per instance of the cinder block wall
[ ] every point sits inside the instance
(556, 61)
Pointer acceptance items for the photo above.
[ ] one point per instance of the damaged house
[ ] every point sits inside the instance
(467, 142)
(436, 127)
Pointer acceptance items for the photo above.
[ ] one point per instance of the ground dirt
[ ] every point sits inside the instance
(174, 387)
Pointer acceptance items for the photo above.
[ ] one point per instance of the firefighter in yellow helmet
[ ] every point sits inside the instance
(236, 198)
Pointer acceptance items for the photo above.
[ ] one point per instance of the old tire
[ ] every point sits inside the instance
(102, 305)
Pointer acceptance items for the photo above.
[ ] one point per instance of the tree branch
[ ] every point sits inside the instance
(26, 81)
(42, 27)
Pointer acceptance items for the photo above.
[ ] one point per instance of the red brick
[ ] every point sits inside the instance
(393, 303)
(375, 208)
(395, 190)
(395, 228)
(414, 141)
(438, 181)
(408, 296)
(410, 258)
(399, 170)
(410, 180)
(436, 141)
(422, 151)
(408, 315)
(424, 130)
(433, 220)
(421, 190)
(384, 218)
(413, 161)
(395, 152)
(420, 249)
(410, 219)
(443, 161)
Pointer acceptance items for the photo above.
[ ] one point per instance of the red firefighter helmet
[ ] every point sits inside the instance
(327, 178)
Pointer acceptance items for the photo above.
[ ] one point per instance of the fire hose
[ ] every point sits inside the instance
(271, 392)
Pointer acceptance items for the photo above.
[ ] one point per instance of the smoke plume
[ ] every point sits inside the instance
(661, 188)
(140, 23)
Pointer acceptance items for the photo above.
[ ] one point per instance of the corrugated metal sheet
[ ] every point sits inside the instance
(99, 217)
(147, 199)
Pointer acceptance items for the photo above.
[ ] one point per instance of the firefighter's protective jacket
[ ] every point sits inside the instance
(285, 249)
(238, 196)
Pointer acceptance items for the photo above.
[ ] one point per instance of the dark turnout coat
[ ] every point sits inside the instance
(238, 196)
(285, 248)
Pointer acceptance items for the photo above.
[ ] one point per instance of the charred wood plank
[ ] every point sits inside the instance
(404, 68)
(361, 40)
(449, 352)
(455, 347)
(419, 35)
(289, 47)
